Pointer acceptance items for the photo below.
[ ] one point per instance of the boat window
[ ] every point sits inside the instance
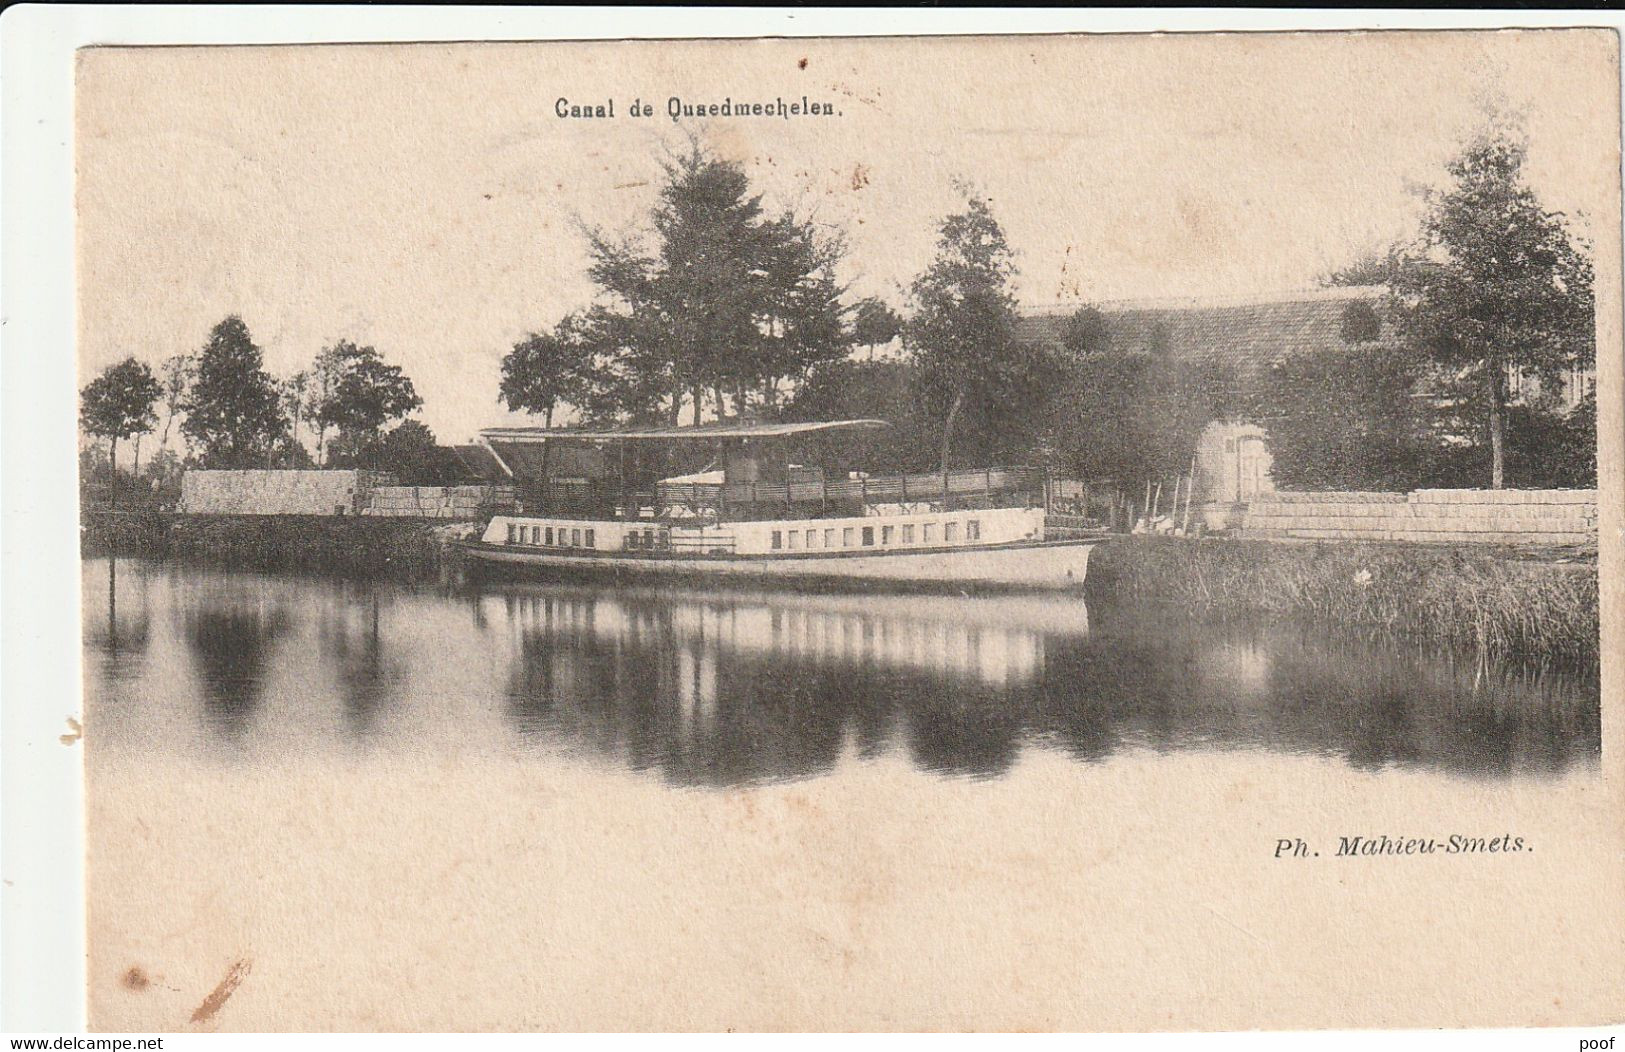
(950, 532)
(973, 530)
(908, 534)
(846, 537)
(649, 538)
(812, 538)
(549, 535)
(512, 529)
(868, 535)
(633, 539)
(886, 534)
(778, 539)
(928, 532)
(794, 539)
(575, 538)
(589, 539)
(829, 538)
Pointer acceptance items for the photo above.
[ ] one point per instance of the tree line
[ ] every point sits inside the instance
(350, 402)
(720, 306)
(1491, 307)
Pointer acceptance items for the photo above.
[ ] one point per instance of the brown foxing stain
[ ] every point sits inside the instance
(801, 804)
(136, 979)
(860, 177)
(76, 731)
(802, 64)
(222, 993)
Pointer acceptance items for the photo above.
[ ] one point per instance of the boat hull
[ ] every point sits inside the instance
(1026, 566)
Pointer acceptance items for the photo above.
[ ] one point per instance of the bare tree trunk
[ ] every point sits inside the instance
(947, 437)
(1497, 425)
(135, 469)
(699, 401)
(112, 473)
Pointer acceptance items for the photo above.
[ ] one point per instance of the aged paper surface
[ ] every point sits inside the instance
(317, 807)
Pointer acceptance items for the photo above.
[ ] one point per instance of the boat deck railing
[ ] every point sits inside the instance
(901, 489)
(583, 498)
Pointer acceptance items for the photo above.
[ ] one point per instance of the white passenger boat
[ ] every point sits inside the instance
(586, 510)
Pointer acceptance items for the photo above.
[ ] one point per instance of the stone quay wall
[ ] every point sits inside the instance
(1542, 516)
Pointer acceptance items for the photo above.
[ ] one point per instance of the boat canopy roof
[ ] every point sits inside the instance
(715, 477)
(700, 432)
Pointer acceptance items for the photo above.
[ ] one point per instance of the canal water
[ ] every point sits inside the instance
(733, 689)
(567, 808)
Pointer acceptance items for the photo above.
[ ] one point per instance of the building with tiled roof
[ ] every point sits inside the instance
(1245, 335)
(1248, 335)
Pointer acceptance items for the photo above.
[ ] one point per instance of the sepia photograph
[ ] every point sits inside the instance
(1029, 532)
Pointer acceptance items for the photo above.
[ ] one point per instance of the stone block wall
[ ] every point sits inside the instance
(255, 492)
(439, 502)
(1564, 517)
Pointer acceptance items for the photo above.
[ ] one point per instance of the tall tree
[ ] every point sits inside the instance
(1495, 285)
(799, 315)
(119, 404)
(874, 324)
(549, 368)
(367, 394)
(295, 394)
(962, 337)
(322, 385)
(233, 414)
(721, 298)
(173, 376)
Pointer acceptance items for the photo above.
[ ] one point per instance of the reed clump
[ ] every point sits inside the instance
(342, 546)
(135, 531)
(1500, 602)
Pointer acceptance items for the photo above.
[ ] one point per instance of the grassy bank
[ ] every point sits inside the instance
(401, 548)
(1496, 602)
(142, 532)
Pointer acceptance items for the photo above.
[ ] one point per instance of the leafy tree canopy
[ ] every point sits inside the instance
(874, 323)
(1495, 282)
(962, 342)
(233, 411)
(546, 369)
(118, 404)
(722, 301)
(410, 453)
(365, 393)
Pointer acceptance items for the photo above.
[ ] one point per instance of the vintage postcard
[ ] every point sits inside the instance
(1069, 532)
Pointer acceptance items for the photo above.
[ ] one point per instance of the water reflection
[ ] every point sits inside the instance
(232, 645)
(738, 689)
(724, 690)
(352, 641)
(120, 637)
